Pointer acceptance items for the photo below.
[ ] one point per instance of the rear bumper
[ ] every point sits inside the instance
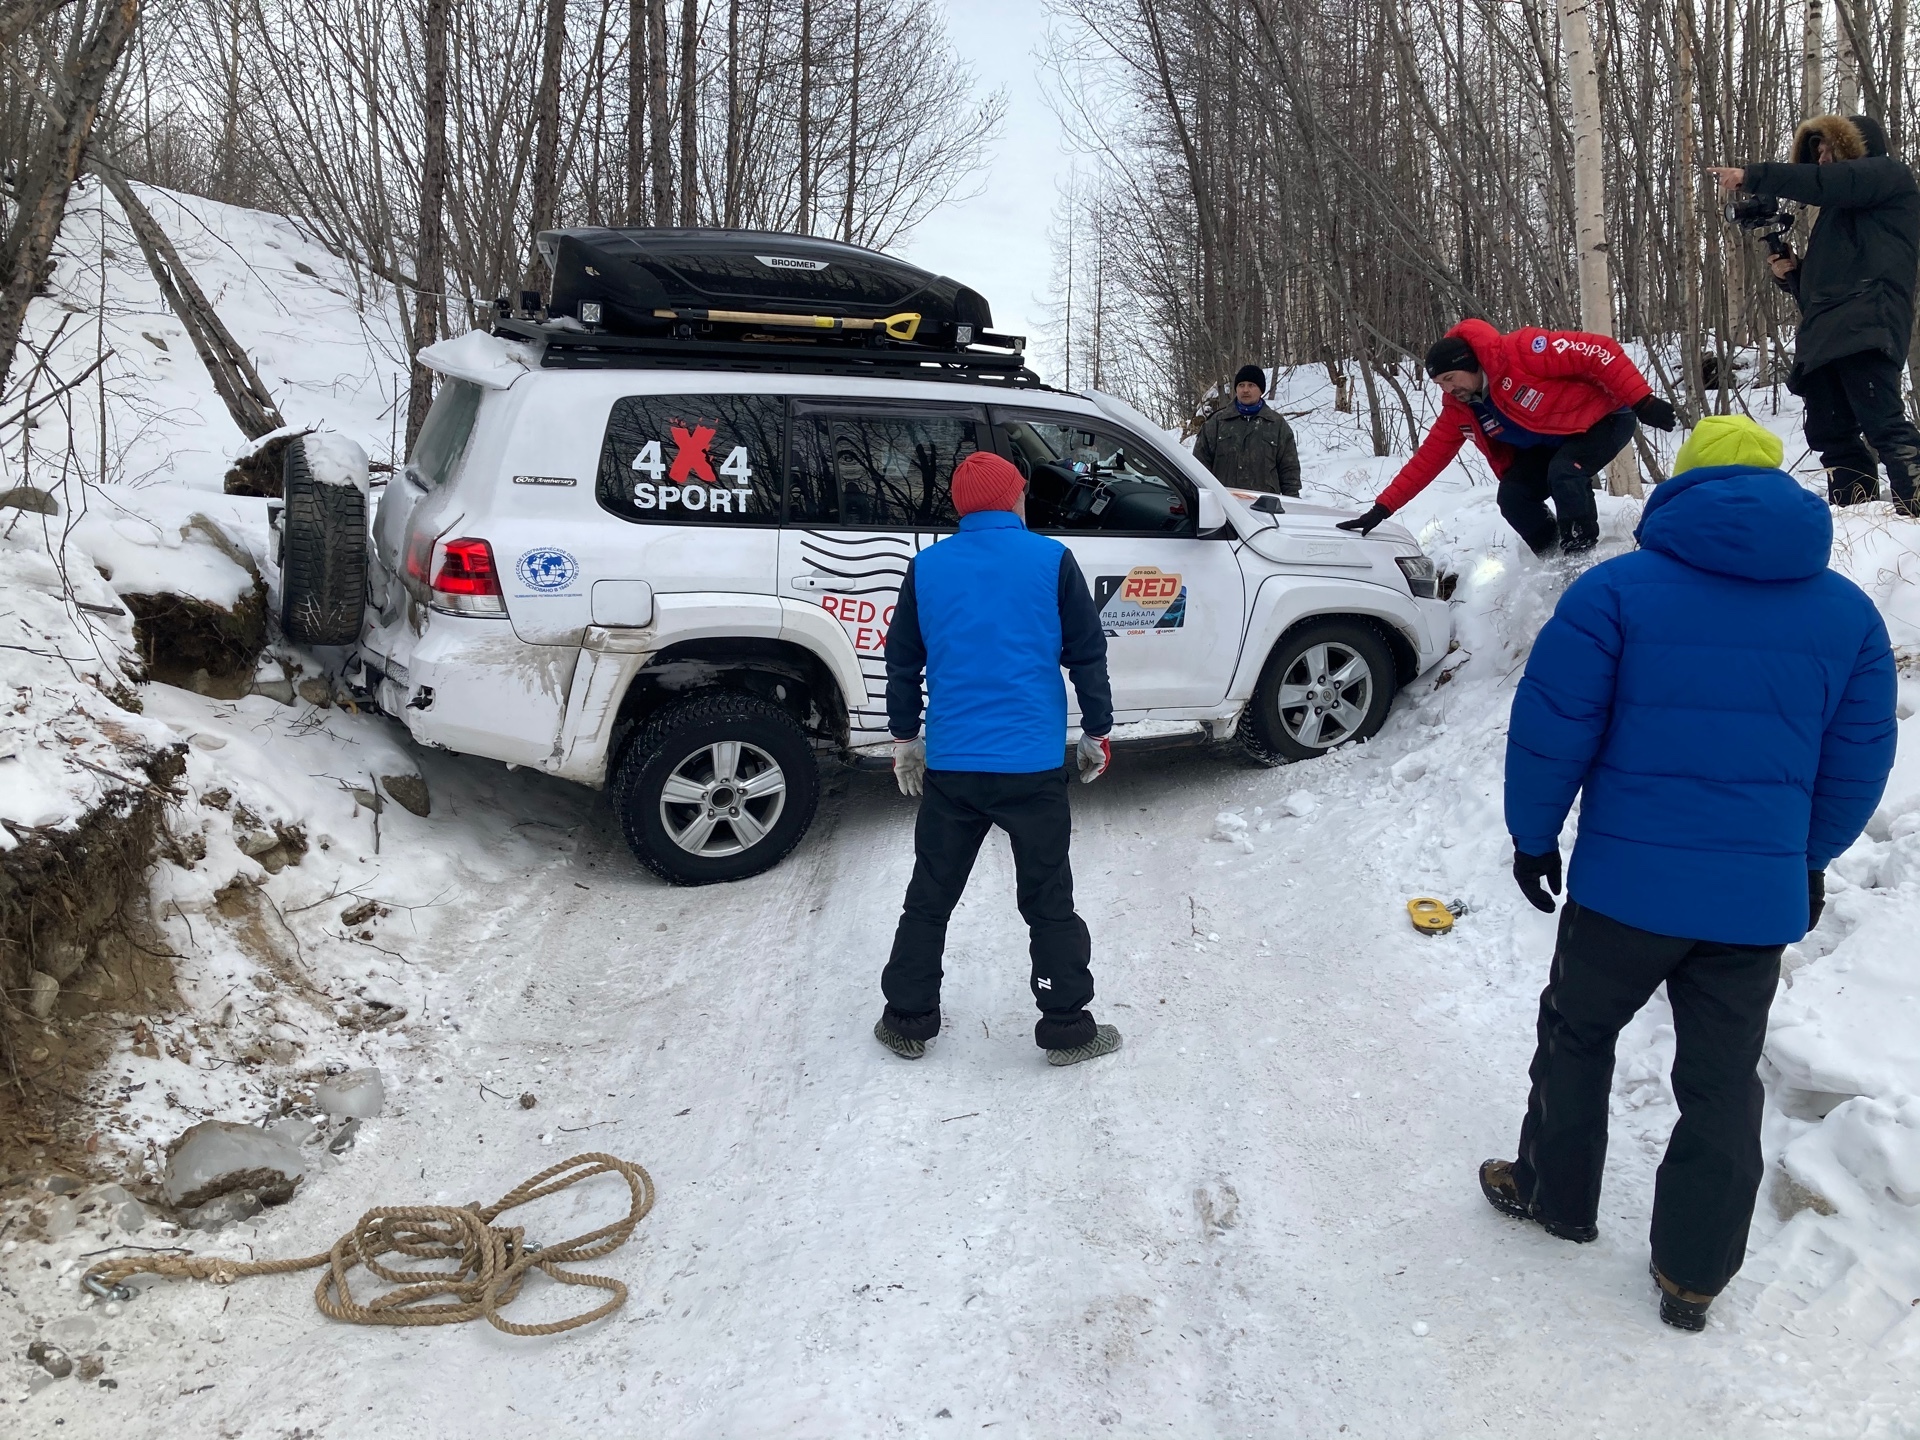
(471, 685)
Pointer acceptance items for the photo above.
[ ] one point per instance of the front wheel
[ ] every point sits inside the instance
(1327, 683)
(716, 787)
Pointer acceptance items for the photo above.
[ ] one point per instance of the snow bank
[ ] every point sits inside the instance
(328, 345)
(66, 650)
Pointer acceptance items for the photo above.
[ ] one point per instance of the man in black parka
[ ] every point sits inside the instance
(1855, 292)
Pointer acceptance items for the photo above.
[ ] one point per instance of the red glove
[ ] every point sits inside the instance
(1094, 755)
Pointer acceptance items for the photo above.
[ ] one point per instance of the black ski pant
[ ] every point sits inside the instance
(1603, 972)
(956, 811)
(1564, 474)
(1854, 403)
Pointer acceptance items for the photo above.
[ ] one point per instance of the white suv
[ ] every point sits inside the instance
(680, 579)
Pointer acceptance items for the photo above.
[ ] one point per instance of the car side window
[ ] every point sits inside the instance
(1085, 479)
(876, 468)
(693, 459)
(443, 438)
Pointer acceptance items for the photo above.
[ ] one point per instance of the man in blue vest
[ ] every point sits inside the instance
(991, 615)
(1723, 704)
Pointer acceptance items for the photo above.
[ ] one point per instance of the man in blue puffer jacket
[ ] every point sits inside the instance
(991, 615)
(1723, 704)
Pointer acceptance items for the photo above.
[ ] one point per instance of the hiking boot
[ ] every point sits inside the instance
(906, 1049)
(1106, 1040)
(1682, 1309)
(1503, 1193)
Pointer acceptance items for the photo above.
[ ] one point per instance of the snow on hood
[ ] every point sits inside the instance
(477, 356)
(1732, 520)
(335, 460)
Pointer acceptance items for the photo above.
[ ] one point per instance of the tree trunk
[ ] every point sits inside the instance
(429, 268)
(731, 211)
(546, 136)
(689, 117)
(1813, 42)
(42, 182)
(230, 129)
(1846, 98)
(228, 365)
(661, 158)
(805, 223)
(636, 112)
(853, 130)
(1590, 200)
(1897, 76)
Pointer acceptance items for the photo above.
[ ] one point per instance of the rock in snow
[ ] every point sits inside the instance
(216, 1158)
(356, 1095)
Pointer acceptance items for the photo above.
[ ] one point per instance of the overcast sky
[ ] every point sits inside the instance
(996, 242)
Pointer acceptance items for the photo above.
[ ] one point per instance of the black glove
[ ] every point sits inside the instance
(1656, 412)
(1530, 870)
(1365, 523)
(1816, 896)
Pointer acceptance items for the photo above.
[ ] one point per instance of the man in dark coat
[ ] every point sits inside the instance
(1723, 704)
(1855, 292)
(991, 615)
(1248, 445)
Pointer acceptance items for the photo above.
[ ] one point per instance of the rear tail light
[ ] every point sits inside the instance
(467, 582)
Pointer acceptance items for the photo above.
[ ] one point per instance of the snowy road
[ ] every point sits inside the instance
(1237, 1226)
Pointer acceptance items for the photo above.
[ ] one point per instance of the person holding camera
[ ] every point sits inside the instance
(1854, 288)
(1548, 408)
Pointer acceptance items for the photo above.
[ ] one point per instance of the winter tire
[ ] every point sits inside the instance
(1327, 683)
(716, 787)
(323, 568)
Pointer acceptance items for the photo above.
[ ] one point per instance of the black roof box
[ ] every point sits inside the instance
(632, 275)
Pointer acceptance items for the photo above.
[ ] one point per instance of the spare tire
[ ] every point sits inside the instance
(323, 565)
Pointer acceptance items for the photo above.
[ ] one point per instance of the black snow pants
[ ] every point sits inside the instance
(956, 811)
(1563, 473)
(1603, 972)
(1853, 403)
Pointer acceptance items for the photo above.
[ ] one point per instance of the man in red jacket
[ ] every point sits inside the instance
(1548, 408)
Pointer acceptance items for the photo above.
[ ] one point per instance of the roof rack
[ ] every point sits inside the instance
(570, 346)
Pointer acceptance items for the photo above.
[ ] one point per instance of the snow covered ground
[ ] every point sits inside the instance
(1259, 1218)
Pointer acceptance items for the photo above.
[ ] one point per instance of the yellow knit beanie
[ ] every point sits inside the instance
(1729, 440)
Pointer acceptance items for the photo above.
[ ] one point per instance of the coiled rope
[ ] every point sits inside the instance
(489, 1261)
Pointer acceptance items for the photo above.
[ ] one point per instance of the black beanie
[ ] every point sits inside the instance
(1450, 352)
(1253, 373)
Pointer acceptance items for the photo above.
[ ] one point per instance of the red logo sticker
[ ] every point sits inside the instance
(690, 456)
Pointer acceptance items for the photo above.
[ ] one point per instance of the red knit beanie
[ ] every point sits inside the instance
(984, 481)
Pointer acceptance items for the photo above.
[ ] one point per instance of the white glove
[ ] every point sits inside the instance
(1093, 754)
(910, 765)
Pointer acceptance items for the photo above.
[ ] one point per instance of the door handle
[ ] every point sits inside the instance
(817, 581)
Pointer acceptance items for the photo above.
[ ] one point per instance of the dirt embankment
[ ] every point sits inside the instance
(76, 943)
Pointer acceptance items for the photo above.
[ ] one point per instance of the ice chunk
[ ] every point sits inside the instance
(215, 1158)
(1300, 804)
(356, 1095)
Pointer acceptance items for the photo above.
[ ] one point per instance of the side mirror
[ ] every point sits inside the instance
(1212, 514)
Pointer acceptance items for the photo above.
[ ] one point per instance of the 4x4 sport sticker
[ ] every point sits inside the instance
(1144, 601)
(692, 481)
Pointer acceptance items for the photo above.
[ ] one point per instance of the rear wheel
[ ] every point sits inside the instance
(323, 569)
(716, 787)
(1327, 683)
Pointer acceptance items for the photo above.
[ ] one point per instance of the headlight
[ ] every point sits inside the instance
(1422, 579)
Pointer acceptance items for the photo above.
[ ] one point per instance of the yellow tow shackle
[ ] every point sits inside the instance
(1429, 916)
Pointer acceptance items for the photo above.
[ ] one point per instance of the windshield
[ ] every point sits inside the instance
(443, 439)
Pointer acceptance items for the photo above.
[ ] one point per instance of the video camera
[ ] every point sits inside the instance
(1767, 218)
